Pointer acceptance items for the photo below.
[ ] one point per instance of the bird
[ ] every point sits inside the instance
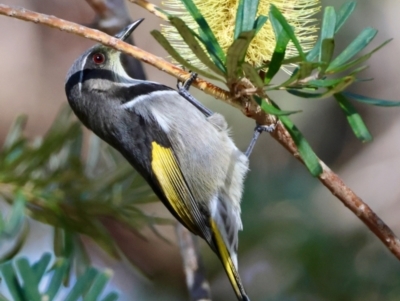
(183, 150)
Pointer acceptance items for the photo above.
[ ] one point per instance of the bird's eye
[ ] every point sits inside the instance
(98, 58)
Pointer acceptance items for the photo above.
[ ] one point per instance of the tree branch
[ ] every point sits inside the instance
(111, 15)
(151, 8)
(196, 281)
(327, 177)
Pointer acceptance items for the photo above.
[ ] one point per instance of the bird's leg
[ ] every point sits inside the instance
(257, 131)
(183, 90)
(186, 85)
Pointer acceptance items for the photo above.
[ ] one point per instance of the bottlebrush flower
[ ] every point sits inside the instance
(221, 15)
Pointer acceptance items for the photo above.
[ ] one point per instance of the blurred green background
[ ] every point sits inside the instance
(299, 242)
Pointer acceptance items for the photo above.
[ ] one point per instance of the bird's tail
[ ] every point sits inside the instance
(228, 263)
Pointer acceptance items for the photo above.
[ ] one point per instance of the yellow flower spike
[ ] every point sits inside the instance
(221, 15)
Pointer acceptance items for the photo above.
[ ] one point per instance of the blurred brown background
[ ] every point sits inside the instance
(299, 242)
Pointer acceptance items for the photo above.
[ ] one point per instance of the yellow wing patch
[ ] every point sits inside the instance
(227, 262)
(172, 183)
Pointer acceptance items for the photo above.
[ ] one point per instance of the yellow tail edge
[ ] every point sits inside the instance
(228, 265)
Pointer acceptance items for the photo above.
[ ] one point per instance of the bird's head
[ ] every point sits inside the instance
(96, 73)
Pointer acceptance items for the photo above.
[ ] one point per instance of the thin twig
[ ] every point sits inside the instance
(151, 8)
(327, 177)
(99, 6)
(196, 281)
(339, 189)
(111, 15)
(103, 38)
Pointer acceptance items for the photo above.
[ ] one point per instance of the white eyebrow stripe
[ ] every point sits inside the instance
(135, 101)
(81, 74)
(129, 82)
(130, 104)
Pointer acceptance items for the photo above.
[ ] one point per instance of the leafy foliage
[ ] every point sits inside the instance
(51, 182)
(319, 74)
(24, 281)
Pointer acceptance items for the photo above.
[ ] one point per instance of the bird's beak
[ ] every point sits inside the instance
(127, 31)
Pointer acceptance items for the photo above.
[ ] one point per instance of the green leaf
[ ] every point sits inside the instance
(276, 63)
(59, 135)
(106, 180)
(60, 270)
(286, 83)
(343, 84)
(69, 191)
(57, 183)
(16, 217)
(313, 53)
(239, 20)
(39, 268)
(271, 109)
(328, 29)
(327, 49)
(250, 8)
(64, 238)
(68, 244)
(81, 258)
(11, 281)
(18, 244)
(111, 297)
(282, 40)
(357, 61)
(200, 54)
(236, 54)
(372, 101)
(308, 156)
(98, 286)
(58, 241)
(82, 285)
(253, 75)
(291, 60)
(191, 39)
(344, 13)
(164, 12)
(89, 286)
(12, 154)
(15, 133)
(216, 60)
(362, 40)
(246, 17)
(286, 27)
(305, 69)
(94, 153)
(328, 44)
(259, 23)
(205, 31)
(358, 70)
(324, 83)
(354, 119)
(341, 18)
(103, 238)
(30, 281)
(308, 95)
